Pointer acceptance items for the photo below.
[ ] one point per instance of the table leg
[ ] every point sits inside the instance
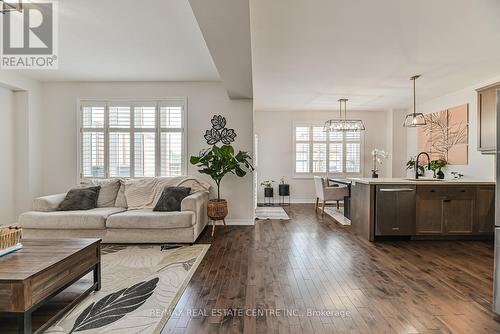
(97, 276)
(24, 323)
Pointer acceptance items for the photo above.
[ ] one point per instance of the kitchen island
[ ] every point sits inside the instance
(423, 209)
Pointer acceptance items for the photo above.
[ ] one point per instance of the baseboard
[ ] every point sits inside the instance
(236, 222)
(293, 201)
(296, 201)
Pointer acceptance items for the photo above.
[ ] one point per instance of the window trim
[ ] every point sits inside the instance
(311, 174)
(106, 130)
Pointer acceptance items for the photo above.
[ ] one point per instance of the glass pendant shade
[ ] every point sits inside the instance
(414, 119)
(342, 123)
(10, 5)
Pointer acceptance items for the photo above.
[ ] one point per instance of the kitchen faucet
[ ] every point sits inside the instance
(416, 163)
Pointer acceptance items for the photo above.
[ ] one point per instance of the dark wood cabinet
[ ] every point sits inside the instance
(429, 212)
(455, 210)
(485, 209)
(486, 118)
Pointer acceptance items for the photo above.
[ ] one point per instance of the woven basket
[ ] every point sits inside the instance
(217, 209)
(10, 236)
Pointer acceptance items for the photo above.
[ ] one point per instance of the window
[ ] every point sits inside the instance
(317, 151)
(132, 139)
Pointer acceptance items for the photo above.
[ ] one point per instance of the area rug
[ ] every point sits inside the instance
(338, 215)
(270, 212)
(140, 287)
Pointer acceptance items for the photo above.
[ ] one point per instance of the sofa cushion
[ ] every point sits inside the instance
(89, 219)
(108, 192)
(149, 219)
(171, 198)
(80, 199)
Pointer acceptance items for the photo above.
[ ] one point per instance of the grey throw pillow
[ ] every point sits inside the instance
(80, 199)
(171, 198)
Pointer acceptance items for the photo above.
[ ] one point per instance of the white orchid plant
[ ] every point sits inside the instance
(378, 157)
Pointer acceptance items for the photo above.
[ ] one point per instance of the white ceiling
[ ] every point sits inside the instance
(147, 40)
(308, 54)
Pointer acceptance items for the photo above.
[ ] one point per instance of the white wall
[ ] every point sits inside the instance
(275, 147)
(480, 165)
(205, 99)
(27, 138)
(7, 149)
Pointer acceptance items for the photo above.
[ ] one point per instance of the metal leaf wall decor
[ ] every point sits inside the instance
(219, 132)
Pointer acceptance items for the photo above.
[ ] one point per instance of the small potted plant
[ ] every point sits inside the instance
(410, 164)
(378, 157)
(268, 188)
(436, 166)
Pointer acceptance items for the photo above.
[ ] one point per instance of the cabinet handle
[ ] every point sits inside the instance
(433, 191)
(447, 200)
(395, 228)
(397, 190)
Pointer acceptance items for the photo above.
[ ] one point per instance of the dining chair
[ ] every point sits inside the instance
(324, 193)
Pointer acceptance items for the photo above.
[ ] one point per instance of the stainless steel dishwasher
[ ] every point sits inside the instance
(395, 210)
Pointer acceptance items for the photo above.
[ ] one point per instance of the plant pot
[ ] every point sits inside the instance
(217, 209)
(284, 189)
(268, 192)
(374, 174)
(440, 174)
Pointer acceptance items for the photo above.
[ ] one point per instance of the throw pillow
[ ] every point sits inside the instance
(108, 192)
(171, 198)
(80, 199)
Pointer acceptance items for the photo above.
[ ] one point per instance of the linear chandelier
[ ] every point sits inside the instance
(342, 123)
(416, 118)
(10, 6)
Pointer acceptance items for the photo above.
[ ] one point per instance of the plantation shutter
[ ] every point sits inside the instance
(92, 140)
(171, 134)
(132, 138)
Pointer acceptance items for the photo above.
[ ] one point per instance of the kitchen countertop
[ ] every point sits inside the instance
(424, 181)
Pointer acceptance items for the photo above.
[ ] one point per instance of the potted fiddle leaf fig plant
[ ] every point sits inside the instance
(218, 161)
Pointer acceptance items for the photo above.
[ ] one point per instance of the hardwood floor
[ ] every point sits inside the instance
(313, 264)
(283, 269)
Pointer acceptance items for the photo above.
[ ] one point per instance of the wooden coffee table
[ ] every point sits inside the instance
(42, 269)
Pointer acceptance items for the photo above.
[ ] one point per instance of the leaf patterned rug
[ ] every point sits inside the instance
(140, 287)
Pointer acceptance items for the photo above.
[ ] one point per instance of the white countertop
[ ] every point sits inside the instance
(422, 181)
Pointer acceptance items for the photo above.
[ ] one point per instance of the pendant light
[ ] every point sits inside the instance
(342, 123)
(9, 6)
(416, 118)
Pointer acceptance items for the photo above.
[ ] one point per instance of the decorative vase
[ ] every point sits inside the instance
(268, 192)
(217, 209)
(440, 174)
(374, 174)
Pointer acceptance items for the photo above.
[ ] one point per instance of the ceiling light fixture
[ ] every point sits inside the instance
(10, 6)
(342, 123)
(416, 118)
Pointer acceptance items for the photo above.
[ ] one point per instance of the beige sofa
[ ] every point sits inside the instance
(116, 224)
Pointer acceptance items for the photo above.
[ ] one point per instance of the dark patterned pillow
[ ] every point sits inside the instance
(80, 199)
(171, 198)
